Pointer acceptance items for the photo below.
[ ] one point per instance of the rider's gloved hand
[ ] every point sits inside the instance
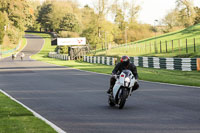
(114, 75)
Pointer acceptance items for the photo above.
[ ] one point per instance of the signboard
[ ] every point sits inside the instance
(71, 41)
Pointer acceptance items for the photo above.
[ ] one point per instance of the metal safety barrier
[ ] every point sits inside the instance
(183, 64)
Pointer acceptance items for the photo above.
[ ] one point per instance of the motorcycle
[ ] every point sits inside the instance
(122, 89)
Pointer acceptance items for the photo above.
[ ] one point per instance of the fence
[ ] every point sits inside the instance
(184, 64)
(190, 45)
(155, 46)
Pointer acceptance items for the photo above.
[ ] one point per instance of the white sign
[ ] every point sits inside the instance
(71, 41)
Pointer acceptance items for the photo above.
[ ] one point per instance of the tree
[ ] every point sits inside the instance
(70, 23)
(97, 31)
(121, 24)
(18, 16)
(119, 19)
(197, 18)
(87, 14)
(133, 11)
(2, 27)
(135, 29)
(186, 12)
(125, 12)
(171, 19)
(34, 10)
(59, 10)
(52, 13)
(102, 7)
(18, 12)
(43, 15)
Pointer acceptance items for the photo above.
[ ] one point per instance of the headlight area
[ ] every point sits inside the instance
(127, 79)
(127, 82)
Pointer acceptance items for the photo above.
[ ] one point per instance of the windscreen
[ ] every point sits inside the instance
(127, 72)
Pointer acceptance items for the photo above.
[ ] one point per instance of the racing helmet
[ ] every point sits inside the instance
(125, 60)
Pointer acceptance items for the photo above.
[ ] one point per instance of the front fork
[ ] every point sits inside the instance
(118, 100)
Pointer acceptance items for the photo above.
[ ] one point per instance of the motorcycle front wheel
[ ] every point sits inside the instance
(122, 98)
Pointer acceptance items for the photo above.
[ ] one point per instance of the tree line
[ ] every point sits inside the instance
(15, 17)
(67, 19)
(185, 14)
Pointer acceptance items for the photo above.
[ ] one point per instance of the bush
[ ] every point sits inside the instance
(68, 34)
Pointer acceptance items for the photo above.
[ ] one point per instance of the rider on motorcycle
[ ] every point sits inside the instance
(124, 64)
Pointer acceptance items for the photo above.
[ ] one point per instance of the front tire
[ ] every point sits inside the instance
(122, 99)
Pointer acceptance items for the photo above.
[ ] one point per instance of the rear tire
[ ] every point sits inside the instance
(122, 99)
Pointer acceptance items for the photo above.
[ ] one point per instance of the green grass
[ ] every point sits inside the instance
(16, 119)
(148, 47)
(23, 44)
(149, 74)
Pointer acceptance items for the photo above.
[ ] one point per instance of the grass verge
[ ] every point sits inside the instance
(16, 119)
(23, 44)
(149, 74)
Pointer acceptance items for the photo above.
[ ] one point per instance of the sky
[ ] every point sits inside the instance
(151, 10)
(157, 9)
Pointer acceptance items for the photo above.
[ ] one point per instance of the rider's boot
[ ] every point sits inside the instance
(109, 90)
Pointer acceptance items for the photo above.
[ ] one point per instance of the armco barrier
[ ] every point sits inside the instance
(184, 64)
(100, 60)
(58, 56)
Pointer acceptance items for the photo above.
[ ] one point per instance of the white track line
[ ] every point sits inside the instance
(56, 128)
(59, 130)
(171, 84)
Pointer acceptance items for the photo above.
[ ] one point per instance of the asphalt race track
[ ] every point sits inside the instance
(76, 101)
